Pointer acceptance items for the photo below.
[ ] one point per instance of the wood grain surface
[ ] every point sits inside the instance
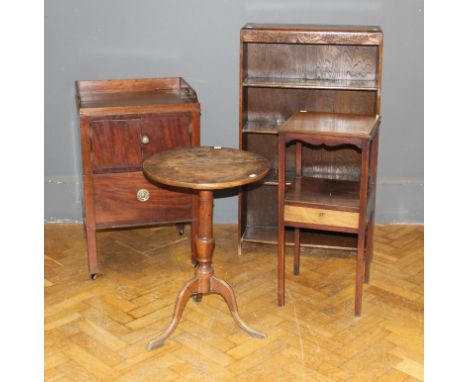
(316, 209)
(325, 193)
(206, 168)
(98, 330)
(115, 145)
(277, 104)
(339, 64)
(288, 68)
(312, 34)
(320, 217)
(334, 124)
(116, 202)
(122, 122)
(126, 96)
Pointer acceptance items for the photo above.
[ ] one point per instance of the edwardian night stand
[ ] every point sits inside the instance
(205, 169)
(315, 201)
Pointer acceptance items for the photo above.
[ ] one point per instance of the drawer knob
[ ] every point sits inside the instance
(145, 139)
(321, 214)
(142, 195)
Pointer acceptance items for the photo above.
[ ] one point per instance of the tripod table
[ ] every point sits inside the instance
(205, 169)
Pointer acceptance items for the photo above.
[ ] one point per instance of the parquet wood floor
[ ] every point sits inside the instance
(98, 330)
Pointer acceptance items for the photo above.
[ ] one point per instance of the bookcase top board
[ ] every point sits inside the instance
(312, 34)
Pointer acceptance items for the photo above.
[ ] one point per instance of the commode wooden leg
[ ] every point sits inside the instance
(93, 264)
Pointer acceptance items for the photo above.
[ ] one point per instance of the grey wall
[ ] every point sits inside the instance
(199, 40)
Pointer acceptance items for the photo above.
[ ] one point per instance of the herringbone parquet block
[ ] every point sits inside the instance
(98, 330)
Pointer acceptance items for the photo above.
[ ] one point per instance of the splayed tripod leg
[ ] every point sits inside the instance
(185, 293)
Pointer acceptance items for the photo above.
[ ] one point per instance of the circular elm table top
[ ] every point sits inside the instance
(205, 168)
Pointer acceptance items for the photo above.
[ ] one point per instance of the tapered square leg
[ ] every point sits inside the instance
(369, 248)
(359, 275)
(297, 250)
(281, 265)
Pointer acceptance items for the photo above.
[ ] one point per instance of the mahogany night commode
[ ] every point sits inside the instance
(123, 122)
(205, 169)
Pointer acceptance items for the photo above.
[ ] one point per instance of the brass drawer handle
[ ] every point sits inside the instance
(145, 139)
(143, 195)
(321, 214)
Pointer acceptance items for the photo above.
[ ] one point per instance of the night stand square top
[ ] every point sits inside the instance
(331, 124)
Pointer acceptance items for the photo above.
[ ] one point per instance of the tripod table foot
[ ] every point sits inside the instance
(185, 293)
(225, 290)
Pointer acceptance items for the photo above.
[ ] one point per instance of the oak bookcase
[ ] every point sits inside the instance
(285, 69)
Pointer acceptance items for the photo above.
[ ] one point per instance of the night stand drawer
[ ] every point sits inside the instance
(319, 216)
(127, 198)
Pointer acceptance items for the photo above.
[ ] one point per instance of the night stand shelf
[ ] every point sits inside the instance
(324, 193)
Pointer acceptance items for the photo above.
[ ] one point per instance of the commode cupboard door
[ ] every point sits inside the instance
(164, 133)
(115, 145)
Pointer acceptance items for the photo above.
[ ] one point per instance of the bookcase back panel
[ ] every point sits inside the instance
(276, 105)
(349, 62)
(265, 145)
(262, 206)
(341, 162)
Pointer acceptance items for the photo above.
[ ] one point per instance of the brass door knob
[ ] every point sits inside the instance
(143, 195)
(145, 139)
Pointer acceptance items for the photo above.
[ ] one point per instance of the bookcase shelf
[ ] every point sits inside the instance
(310, 83)
(262, 127)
